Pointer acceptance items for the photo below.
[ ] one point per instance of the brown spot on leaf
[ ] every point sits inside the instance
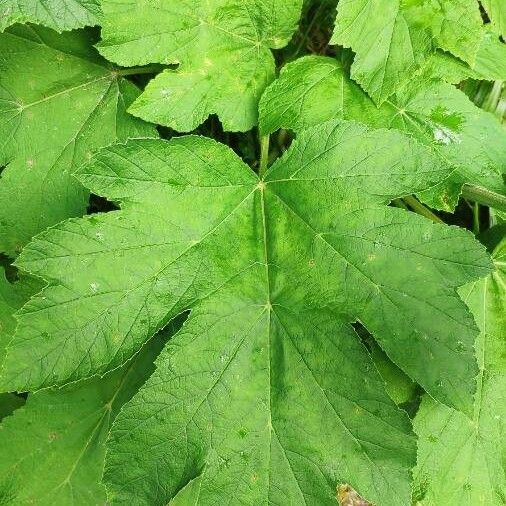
(348, 496)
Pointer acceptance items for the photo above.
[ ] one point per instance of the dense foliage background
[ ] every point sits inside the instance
(302, 302)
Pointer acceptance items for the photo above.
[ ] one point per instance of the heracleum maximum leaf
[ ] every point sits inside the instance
(53, 448)
(273, 271)
(461, 460)
(496, 10)
(56, 14)
(489, 64)
(223, 48)
(389, 44)
(59, 102)
(12, 297)
(468, 141)
(393, 39)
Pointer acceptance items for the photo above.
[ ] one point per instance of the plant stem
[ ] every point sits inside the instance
(484, 197)
(148, 69)
(476, 218)
(400, 203)
(421, 209)
(264, 155)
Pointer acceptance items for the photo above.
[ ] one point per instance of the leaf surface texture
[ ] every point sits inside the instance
(460, 459)
(274, 271)
(223, 48)
(469, 142)
(66, 104)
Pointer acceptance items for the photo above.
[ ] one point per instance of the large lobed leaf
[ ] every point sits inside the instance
(469, 142)
(59, 15)
(223, 48)
(460, 459)
(59, 102)
(394, 39)
(274, 270)
(53, 448)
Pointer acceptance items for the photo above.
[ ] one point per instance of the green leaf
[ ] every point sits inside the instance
(399, 386)
(490, 61)
(221, 415)
(12, 297)
(469, 142)
(312, 90)
(223, 48)
(67, 104)
(53, 448)
(461, 460)
(457, 27)
(394, 39)
(389, 47)
(273, 271)
(496, 10)
(489, 64)
(59, 15)
(315, 89)
(9, 403)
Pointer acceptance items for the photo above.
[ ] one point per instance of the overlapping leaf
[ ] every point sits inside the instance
(489, 65)
(8, 403)
(53, 448)
(59, 102)
(59, 15)
(461, 460)
(393, 39)
(222, 46)
(273, 270)
(496, 10)
(12, 297)
(469, 142)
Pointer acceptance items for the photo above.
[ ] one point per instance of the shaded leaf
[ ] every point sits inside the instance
(53, 448)
(489, 64)
(496, 10)
(67, 104)
(12, 297)
(8, 403)
(460, 459)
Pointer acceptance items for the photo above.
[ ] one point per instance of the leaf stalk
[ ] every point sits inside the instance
(264, 155)
(484, 197)
(419, 208)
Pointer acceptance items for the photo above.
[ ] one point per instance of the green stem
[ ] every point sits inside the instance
(484, 197)
(421, 209)
(493, 98)
(400, 203)
(264, 155)
(476, 218)
(149, 69)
